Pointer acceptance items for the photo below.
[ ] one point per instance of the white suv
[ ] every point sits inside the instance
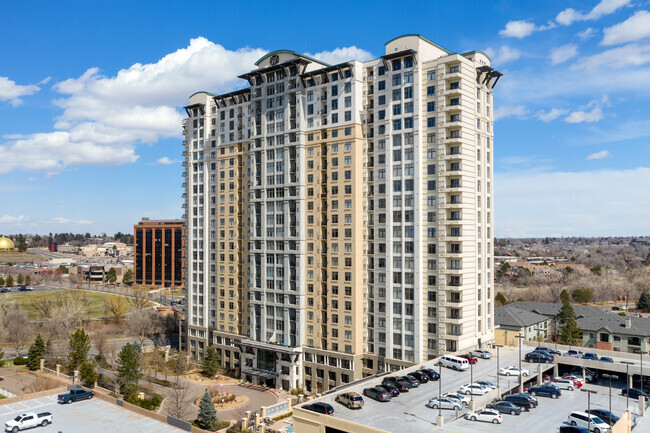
(581, 419)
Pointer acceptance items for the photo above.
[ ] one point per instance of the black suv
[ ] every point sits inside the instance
(635, 393)
(392, 389)
(320, 407)
(538, 357)
(526, 402)
(433, 375)
(545, 390)
(421, 376)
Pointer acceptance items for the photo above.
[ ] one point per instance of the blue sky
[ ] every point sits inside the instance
(91, 96)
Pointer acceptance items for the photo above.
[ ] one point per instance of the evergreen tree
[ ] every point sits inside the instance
(88, 374)
(28, 280)
(10, 281)
(20, 279)
(207, 412)
(79, 346)
(129, 369)
(583, 295)
(501, 298)
(644, 301)
(36, 352)
(63, 269)
(2, 281)
(111, 276)
(2, 355)
(570, 333)
(211, 362)
(128, 276)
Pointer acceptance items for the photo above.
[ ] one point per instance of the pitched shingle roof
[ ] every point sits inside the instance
(510, 315)
(590, 318)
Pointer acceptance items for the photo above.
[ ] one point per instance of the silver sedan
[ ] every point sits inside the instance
(444, 403)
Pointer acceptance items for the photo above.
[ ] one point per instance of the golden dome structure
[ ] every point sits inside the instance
(6, 243)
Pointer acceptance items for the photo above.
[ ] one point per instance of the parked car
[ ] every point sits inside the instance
(420, 376)
(572, 429)
(563, 383)
(5, 289)
(590, 375)
(471, 358)
(524, 401)
(412, 380)
(606, 359)
(75, 394)
(549, 350)
(605, 415)
(394, 391)
(513, 371)
(25, 288)
(538, 357)
(487, 415)
(486, 384)
(577, 381)
(463, 399)
(545, 390)
(444, 403)
(455, 362)
(573, 353)
(482, 354)
(350, 399)
(505, 407)
(377, 394)
(28, 420)
(474, 389)
(590, 356)
(635, 393)
(401, 385)
(590, 422)
(320, 407)
(433, 375)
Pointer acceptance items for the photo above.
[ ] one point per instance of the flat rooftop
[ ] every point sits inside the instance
(408, 412)
(85, 416)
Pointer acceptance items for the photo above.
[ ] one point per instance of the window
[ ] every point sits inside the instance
(431, 106)
(381, 85)
(381, 114)
(397, 95)
(381, 100)
(431, 90)
(408, 107)
(397, 109)
(408, 122)
(397, 79)
(408, 92)
(397, 124)
(431, 122)
(408, 77)
(431, 75)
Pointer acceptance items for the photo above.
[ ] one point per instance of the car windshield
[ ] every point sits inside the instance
(597, 420)
(18, 418)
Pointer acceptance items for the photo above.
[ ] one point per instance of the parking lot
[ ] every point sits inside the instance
(85, 416)
(549, 415)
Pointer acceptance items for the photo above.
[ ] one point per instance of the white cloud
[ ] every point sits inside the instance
(616, 58)
(563, 53)
(345, 54)
(503, 55)
(518, 29)
(12, 92)
(587, 33)
(550, 115)
(633, 29)
(589, 203)
(592, 116)
(67, 221)
(600, 155)
(604, 7)
(503, 112)
(166, 161)
(10, 219)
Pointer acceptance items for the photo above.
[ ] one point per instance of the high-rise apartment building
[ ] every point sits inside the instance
(158, 249)
(339, 217)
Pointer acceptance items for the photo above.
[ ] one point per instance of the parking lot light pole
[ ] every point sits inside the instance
(641, 365)
(521, 376)
(471, 382)
(610, 377)
(498, 346)
(627, 383)
(589, 392)
(440, 390)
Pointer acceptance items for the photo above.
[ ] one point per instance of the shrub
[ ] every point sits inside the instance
(20, 360)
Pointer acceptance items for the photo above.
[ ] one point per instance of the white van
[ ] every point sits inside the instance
(591, 422)
(454, 362)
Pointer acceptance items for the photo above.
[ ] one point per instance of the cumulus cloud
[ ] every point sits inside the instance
(12, 92)
(166, 161)
(518, 29)
(503, 55)
(600, 155)
(340, 55)
(563, 53)
(580, 116)
(604, 7)
(587, 33)
(10, 219)
(633, 54)
(589, 203)
(503, 112)
(550, 115)
(632, 29)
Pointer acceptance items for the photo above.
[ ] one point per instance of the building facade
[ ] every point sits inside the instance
(158, 252)
(339, 217)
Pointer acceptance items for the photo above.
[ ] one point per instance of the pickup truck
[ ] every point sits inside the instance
(75, 395)
(28, 420)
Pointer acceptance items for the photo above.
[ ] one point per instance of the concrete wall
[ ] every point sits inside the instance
(306, 421)
(624, 424)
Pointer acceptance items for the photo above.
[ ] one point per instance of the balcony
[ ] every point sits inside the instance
(452, 73)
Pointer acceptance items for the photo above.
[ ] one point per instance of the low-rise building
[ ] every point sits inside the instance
(510, 321)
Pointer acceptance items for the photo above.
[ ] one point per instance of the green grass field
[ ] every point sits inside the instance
(96, 301)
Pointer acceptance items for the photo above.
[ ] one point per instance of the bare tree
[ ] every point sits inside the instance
(115, 307)
(18, 328)
(143, 324)
(178, 399)
(6, 306)
(138, 299)
(69, 308)
(100, 338)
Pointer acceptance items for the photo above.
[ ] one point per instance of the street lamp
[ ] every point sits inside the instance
(589, 392)
(641, 364)
(521, 376)
(627, 383)
(539, 361)
(471, 381)
(440, 390)
(610, 377)
(498, 346)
